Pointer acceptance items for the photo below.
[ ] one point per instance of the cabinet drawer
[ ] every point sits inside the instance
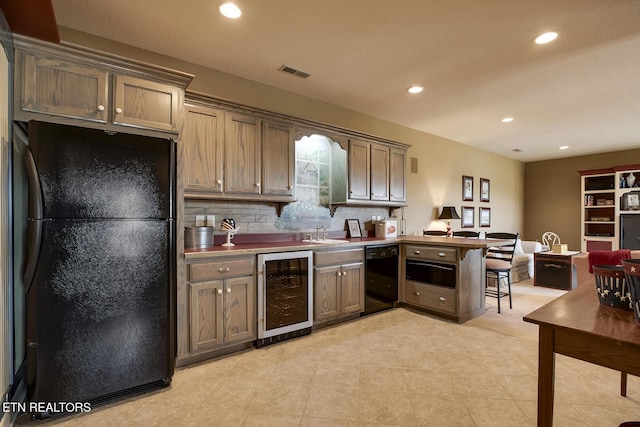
(433, 253)
(338, 257)
(433, 297)
(221, 269)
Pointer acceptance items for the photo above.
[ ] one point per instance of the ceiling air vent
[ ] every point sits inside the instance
(295, 72)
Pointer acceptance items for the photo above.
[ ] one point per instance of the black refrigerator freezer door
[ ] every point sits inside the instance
(98, 311)
(87, 173)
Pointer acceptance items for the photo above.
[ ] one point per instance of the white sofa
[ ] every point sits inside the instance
(523, 259)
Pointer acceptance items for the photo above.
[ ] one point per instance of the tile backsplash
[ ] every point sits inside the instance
(295, 217)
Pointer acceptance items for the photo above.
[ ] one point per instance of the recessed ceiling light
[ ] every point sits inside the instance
(507, 120)
(415, 89)
(546, 37)
(230, 10)
(563, 147)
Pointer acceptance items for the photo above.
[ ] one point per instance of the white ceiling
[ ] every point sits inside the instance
(475, 58)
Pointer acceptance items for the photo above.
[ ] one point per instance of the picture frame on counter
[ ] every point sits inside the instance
(485, 185)
(485, 217)
(467, 216)
(467, 188)
(353, 228)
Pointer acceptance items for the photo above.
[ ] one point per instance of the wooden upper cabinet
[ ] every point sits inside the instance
(83, 87)
(278, 159)
(58, 87)
(242, 154)
(359, 168)
(202, 145)
(146, 104)
(379, 172)
(398, 175)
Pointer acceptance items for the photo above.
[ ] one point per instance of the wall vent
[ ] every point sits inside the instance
(295, 72)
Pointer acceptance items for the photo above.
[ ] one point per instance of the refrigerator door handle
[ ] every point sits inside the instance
(34, 225)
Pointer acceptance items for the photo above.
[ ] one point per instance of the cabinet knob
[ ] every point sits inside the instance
(442, 299)
(417, 294)
(223, 269)
(220, 291)
(119, 110)
(100, 107)
(219, 182)
(338, 273)
(289, 187)
(416, 252)
(228, 290)
(442, 254)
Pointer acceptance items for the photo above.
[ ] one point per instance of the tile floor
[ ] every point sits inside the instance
(396, 368)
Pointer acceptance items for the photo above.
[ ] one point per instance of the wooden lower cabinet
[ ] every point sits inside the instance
(432, 297)
(461, 298)
(338, 284)
(222, 311)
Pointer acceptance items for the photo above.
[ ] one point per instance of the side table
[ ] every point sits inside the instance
(555, 270)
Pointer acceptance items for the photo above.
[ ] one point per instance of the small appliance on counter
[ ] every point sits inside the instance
(198, 237)
(386, 228)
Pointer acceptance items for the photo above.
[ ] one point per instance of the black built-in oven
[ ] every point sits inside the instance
(432, 273)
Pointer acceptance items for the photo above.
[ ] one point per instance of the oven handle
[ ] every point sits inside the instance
(426, 264)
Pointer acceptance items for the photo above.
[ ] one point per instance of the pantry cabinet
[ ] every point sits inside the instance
(338, 284)
(68, 85)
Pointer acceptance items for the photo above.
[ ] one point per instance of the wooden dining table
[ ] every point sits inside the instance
(578, 326)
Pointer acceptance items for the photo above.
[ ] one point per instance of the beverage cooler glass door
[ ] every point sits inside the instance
(285, 292)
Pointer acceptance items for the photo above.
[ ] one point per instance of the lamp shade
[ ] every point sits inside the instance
(449, 212)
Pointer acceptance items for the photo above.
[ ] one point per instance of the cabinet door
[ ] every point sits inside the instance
(398, 175)
(242, 153)
(202, 145)
(352, 288)
(62, 88)
(278, 157)
(205, 314)
(379, 172)
(359, 170)
(145, 104)
(240, 315)
(326, 293)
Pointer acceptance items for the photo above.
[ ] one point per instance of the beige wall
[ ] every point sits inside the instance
(441, 162)
(552, 197)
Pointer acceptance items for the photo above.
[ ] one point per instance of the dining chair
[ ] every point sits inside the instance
(434, 233)
(498, 264)
(467, 234)
(549, 238)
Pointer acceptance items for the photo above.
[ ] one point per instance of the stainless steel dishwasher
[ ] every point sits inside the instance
(381, 278)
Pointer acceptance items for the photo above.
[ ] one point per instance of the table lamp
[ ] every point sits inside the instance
(449, 213)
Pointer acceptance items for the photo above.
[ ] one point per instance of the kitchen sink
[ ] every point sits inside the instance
(325, 241)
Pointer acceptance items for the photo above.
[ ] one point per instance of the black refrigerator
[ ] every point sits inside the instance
(100, 270)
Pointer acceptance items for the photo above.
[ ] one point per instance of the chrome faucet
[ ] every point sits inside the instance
(324, 232)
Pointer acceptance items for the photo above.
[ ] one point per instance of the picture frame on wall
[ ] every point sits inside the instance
(484, 189)
(353, 228)
(467, 188)
(467, 216)
(485, 217)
